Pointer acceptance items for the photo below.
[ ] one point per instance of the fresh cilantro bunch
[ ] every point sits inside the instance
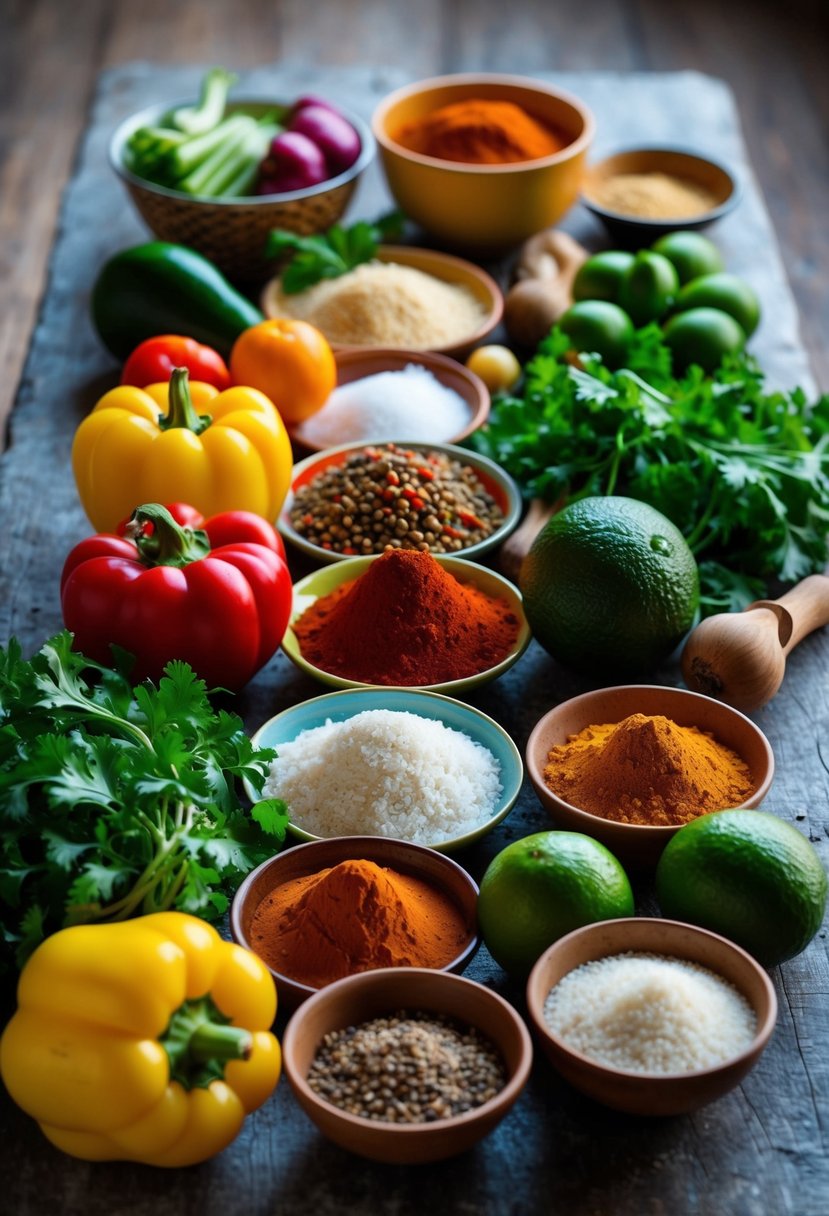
(332, 253)
(117, 801)
(742, 472)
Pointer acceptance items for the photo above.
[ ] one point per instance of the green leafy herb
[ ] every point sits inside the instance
(331, 254)
(117, 801)
(742, 471)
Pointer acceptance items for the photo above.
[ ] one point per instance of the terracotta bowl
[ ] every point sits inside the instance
(354, 365)
(637, 1093)
(419, 862)
(635, 844)
(373, 994)
(445, 266)
(636, 231)
(488, 208)
(232, 232)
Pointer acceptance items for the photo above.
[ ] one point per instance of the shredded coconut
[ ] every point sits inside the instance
(386, 773)
(650, 1013)
(410, 405)
(383, 304)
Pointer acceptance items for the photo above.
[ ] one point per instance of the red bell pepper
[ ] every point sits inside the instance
(153, 361)
(218, 598)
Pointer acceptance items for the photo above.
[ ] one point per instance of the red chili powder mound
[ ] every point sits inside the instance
(406, 621)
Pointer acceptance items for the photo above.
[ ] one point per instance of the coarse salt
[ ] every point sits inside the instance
(650, 1013)
(410, 405)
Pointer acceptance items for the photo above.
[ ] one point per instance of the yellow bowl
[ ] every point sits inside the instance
(488, 208)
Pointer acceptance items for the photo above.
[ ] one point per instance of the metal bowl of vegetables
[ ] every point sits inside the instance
(207, 160)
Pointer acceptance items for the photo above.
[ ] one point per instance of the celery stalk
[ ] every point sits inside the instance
(223, 163)
(195, 120)
(190, 155)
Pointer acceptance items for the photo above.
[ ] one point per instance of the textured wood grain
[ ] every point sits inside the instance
(761, 1151)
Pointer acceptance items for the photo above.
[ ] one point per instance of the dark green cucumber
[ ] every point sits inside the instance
(159, 288)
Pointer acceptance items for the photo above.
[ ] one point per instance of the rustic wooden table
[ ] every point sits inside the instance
(761, 1150)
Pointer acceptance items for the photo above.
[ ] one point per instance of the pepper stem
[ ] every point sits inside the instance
(199, 1041)
(181, 411)
(166, 543)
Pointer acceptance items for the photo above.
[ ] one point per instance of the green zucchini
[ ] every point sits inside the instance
(159, 288)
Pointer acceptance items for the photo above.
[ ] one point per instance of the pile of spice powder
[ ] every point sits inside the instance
(647, 770)
(656, 196)
(353, 917)
(391, 497)
(407, 1068)
(406, 621)
(384, 304)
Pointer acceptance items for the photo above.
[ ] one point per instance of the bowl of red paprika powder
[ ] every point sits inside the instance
(405, 619)
(361, 884)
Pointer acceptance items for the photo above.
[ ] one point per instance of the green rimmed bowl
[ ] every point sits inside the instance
(340, 706)
(322, 582)
(491, 476)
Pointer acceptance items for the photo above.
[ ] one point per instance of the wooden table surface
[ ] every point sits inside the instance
(761, 1151)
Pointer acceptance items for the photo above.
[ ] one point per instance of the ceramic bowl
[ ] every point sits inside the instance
(635, 844)
(444, 266)
(634, 1092)
(232, 232)
(637, 231)
(327, 579)
(433, 868)
(339, 706)
(488, 208)
(374, 994)
(493, 478)
(354, 365)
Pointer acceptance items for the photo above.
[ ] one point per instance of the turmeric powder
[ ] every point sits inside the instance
(647, 770)
(480, 131)
(352, 917)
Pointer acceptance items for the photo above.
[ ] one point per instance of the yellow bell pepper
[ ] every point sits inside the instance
(154, 445)
(143, 1041)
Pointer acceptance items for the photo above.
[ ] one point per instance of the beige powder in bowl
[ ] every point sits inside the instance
(384, 304)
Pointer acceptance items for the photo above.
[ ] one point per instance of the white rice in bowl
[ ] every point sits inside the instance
(386, 773)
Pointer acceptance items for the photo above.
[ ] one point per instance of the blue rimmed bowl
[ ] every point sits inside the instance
(340, 706)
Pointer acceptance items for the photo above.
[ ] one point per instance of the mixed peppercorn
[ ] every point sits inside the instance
(392, 497)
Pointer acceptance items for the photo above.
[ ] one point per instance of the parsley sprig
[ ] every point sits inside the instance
(117, 801)
(332, 253)
(742, 471)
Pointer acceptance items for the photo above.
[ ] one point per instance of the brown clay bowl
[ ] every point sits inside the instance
(355, 364)
(420, 862)
(638, 230)
(641, 844)
(638, 1093)
(373, 994)
(445, 266)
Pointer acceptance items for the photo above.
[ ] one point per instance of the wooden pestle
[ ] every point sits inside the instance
(740, 657)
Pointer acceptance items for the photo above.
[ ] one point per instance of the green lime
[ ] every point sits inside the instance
(598, 325)
(649, 288)
(600, 277)
(542, 887)
(610, 586)
(746, 875)
(703, 336)
(724, 291)
(691, 254)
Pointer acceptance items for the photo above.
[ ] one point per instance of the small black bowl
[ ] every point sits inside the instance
(636, 231)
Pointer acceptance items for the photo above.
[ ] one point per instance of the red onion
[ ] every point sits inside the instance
(293, 163)
(332, 133)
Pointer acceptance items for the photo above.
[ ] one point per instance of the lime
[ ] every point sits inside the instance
(598, 325)
(610, 586)
(703, 336)
(747, 875)
(599, 278)
(649, 288)
(724, 291)
(691, 254)
(542, 887)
